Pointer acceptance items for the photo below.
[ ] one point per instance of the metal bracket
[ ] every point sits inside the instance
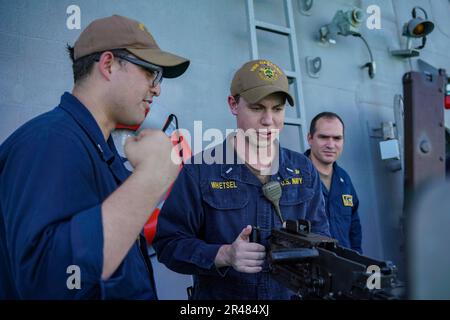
(313, 66)
(399, 117)
(305, 6)
(388, 130)
(385, 131)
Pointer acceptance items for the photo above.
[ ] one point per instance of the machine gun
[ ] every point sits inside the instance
(316, 267)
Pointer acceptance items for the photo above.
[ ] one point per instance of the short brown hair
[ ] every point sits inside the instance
(82, 67)
(326, 115)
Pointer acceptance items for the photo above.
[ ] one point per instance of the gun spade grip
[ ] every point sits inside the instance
(255, 236)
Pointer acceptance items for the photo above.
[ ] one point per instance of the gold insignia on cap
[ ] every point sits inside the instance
(268, 73)
(266, 70)
(141, 26)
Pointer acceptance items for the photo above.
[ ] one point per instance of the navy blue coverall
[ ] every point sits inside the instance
(55, 172)
(341, 206)
(210, 204)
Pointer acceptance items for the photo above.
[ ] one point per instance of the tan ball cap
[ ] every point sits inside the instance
(117, 32)
(257, 79)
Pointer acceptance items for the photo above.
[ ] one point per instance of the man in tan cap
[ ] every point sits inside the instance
(71, 215)
(205, 224)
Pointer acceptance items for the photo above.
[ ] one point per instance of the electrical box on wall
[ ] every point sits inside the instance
(389, 149)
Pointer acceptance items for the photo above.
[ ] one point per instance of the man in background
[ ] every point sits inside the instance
(326, 141)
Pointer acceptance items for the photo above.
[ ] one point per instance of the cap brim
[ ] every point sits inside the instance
(173, 65)
(256, 94)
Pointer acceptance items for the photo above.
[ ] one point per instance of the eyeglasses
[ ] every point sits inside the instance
(156, 71)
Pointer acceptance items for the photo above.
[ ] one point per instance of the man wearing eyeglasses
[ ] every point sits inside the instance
(205, 224)
(71, 215)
